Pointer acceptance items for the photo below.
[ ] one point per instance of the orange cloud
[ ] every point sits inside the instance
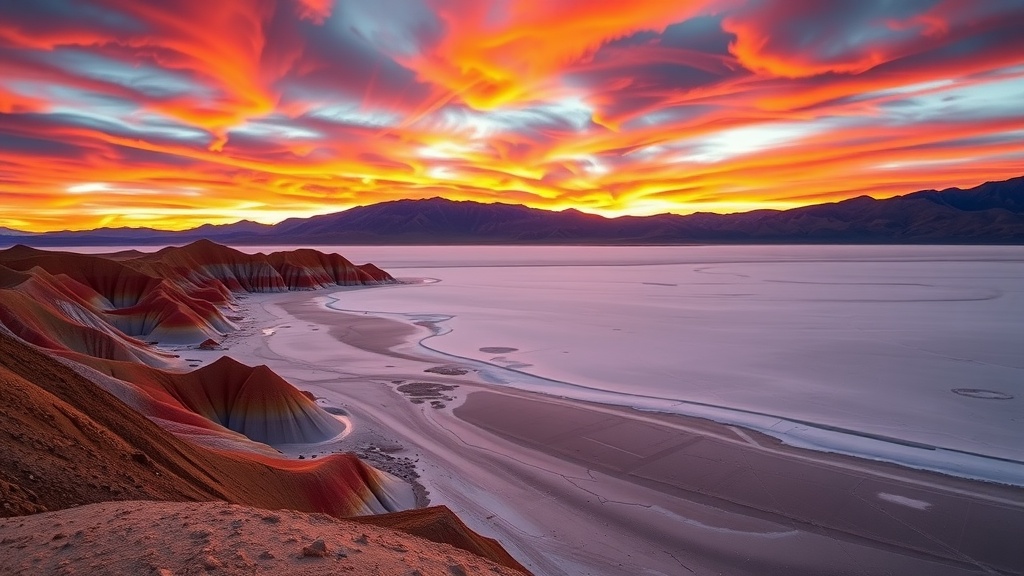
(120, 113)
(504, 53)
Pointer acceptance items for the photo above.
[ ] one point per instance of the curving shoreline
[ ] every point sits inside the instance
(557, 504)
(797, 433)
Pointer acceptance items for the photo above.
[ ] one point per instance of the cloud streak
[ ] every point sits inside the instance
(174, 114)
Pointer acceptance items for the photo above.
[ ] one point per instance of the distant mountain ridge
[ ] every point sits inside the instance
(4, 231)
(992, 213)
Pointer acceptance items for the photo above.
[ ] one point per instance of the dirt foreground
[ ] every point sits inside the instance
(177, 538)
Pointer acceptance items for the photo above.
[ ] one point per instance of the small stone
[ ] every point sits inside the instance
(318, 549)
(241, 559)
(209, 344)
(361, 539)
(211, 563)
(267, 555)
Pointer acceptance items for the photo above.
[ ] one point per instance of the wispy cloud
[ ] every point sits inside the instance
(173, 114)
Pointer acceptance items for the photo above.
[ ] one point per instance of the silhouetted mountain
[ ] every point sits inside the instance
(992, 213)
(227, 233)
(11, 232)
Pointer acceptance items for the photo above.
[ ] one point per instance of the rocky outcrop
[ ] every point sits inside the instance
(307, 269)
(204, 263)
(429, 522)
(252, 401)
(59, 314)
(66, 442)
(64, 417)
(175, 296)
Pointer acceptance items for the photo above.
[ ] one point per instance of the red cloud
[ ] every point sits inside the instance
(124, 113)
(315, 10)
(501, 54)
(801, 38)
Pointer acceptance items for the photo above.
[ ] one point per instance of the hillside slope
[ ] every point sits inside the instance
(89, 414)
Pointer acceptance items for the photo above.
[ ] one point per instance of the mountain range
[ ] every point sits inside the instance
(991, 213)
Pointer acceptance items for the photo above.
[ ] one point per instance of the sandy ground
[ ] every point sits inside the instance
(576, 488)
(176, 538)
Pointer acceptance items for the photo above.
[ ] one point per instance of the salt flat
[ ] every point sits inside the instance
(871, 340)
(574, 487)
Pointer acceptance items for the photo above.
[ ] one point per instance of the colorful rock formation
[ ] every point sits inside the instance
(90, 412)
(178, 295)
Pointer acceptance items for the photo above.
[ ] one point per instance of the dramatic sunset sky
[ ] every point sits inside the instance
(176, 113)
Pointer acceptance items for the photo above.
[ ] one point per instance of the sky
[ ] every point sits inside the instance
(172, 114)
